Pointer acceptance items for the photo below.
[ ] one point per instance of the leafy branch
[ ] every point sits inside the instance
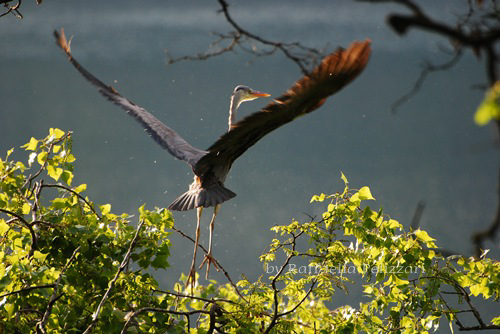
(121, 268)
(406, 280)
(40, 326)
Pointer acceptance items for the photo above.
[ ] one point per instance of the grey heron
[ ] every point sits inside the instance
(211, 166)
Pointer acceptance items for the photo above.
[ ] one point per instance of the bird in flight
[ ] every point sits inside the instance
(211, 166)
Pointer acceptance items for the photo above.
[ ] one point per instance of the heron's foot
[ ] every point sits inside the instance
(191, 279)
(209, 260)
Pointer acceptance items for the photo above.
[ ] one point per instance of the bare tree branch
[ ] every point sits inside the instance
(428, 68)
(83, 199)
(303, 56)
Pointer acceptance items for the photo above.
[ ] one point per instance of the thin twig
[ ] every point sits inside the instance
(276, 315)
(83, 199)
(206, 300)
(426, 70)
(45, 286)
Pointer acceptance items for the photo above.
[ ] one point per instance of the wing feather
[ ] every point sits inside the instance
(162, 134)
(307, 94)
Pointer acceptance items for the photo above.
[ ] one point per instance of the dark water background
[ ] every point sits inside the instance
(430, 150)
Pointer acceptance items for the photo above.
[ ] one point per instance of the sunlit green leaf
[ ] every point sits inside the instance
(423, 236)
(56, 133)
(81, 188)
(105, 208)
(344, 178)
(4, 227)
(54, 172)
(365, 194)
(317, 198)
(490, 107)
(40, 256)
(42, 156)
(32, 145)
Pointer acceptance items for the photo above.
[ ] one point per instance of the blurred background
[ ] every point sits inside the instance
(430, 150)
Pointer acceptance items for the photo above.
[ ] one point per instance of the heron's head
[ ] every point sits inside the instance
(243, 93)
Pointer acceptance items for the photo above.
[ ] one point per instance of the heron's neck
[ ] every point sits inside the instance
(233, 107)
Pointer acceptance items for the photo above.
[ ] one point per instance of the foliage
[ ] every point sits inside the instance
(69, 265)
(58, 254)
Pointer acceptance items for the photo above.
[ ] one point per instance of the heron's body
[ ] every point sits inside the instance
(211, 166)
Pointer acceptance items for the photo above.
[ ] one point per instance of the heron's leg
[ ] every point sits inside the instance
(208, 257)
(192, 272)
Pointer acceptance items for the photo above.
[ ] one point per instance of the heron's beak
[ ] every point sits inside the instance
(256, 93)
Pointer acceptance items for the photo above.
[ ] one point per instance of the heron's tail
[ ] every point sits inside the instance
(202, 197)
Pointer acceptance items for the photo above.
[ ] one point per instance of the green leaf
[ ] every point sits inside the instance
(31, 146)
(422, 235)
(4, 227)
(489, 109)
(160, 262)
(59, 203)
(67, 177)
(81, 188)
(105, 209)
(42, 157)
(344, 178)
(317, 198)
(56, 133)
(365, 194)
(39, 256)
(10, 309)
(54, 172)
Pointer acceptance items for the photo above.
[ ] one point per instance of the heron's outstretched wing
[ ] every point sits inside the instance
(307, 94)
(162, 134)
